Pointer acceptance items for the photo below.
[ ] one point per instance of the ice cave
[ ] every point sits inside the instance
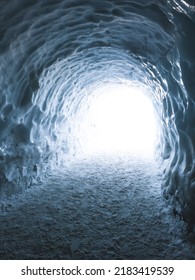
(97, 137)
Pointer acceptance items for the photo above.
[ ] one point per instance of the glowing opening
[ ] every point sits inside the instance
(119, 119)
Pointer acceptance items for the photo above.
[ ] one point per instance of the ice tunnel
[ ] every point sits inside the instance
(55, 58)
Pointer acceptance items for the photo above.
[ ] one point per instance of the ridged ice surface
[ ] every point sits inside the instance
(106, 207)
(54, 54)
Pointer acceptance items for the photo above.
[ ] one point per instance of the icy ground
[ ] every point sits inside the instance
(94, 208)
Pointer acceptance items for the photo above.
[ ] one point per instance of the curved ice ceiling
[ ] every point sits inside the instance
(54, 54)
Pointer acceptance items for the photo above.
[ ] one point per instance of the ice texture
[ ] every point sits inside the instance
(54, 53)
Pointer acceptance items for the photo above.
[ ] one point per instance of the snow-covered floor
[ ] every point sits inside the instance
(106, 207)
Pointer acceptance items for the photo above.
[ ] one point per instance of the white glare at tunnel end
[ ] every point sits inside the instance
(120, 119)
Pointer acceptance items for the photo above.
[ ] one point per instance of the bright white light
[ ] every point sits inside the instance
(119, 119)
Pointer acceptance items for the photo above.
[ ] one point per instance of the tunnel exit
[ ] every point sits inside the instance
(120, 119)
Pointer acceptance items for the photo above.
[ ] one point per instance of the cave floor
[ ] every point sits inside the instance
(94, 208)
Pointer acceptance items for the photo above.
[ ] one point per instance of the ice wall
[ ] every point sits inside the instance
(53, 54)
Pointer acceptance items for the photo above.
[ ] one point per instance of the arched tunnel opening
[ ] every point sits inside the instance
(117, 119)
(97, 129)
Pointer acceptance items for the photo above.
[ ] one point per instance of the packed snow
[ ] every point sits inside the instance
(103, 207)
